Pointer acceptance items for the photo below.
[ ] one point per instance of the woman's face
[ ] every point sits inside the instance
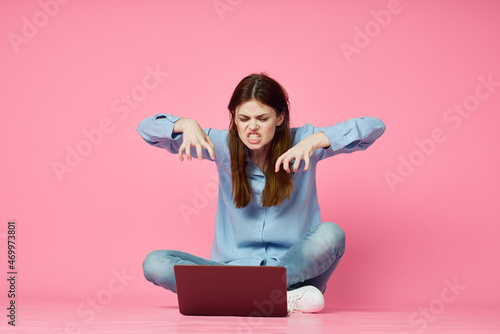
(256, 124)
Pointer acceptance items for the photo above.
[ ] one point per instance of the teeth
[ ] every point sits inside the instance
(254, 136)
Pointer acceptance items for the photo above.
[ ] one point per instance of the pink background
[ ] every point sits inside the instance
(439, 222)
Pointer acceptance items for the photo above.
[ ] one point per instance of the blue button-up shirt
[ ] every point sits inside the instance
(253, 234)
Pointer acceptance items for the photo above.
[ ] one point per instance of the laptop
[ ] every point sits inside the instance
(226, 290)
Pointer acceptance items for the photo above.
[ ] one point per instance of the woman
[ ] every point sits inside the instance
(267, 212)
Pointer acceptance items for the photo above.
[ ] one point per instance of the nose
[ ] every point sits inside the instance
(253, 124)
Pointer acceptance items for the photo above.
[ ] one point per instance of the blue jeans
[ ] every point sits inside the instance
(310, 261)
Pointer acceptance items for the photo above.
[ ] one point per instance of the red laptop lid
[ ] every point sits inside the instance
(231, 290)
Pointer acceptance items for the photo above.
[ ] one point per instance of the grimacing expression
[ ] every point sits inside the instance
(256, 124)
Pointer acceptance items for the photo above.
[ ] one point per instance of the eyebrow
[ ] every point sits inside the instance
(261, 115)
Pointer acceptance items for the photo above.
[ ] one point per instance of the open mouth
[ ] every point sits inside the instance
(254, 138)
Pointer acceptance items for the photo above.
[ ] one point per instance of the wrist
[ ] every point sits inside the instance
(321, 140)
(179, 125)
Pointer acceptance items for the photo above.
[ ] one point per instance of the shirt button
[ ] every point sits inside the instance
(259, 230)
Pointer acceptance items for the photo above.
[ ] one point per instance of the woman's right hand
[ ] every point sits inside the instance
(193, 135)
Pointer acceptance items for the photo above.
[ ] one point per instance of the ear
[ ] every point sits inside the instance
(280, 119)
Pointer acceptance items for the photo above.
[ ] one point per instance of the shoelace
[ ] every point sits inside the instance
(292, 303)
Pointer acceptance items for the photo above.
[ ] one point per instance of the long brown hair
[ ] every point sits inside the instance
(279, 185)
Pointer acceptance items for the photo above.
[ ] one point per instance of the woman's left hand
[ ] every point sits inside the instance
(302, 151)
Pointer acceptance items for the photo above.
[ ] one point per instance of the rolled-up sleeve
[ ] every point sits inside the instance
(158, 129)
(355, 134)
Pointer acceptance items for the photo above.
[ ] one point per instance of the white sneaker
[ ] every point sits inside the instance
(305, 299)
